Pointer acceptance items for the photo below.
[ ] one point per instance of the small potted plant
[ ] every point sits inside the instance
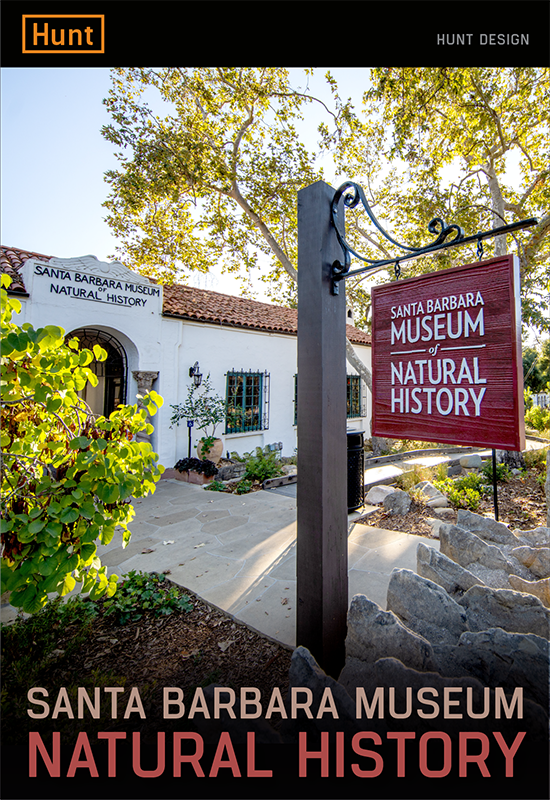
(207, 410)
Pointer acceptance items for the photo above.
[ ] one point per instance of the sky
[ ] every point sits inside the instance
(54, 159)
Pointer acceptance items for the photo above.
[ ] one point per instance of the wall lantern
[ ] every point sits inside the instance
(195, 374)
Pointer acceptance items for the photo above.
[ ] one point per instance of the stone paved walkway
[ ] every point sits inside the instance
(239, 552)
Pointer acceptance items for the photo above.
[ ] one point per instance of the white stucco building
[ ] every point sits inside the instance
(154, 334)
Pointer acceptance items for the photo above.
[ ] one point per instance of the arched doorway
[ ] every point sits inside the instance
(112, 373)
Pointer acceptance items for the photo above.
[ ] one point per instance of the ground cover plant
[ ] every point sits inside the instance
(162, 636)
(140, 593)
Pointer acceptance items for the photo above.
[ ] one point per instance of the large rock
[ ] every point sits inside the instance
(471, 461)
(498, 658)
(434, 565)
(306, 673)
(538, 537)
(430, 495)
(466, 548)
(536, 559)
(397, 503)
(510, 610)
(540, 588)
(511, 459)
(391, 675)
(425, 607)
(374, 633)
(486, 527)
(444, 512)
(378, 493)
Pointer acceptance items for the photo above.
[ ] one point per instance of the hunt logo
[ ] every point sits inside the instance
(63, 33)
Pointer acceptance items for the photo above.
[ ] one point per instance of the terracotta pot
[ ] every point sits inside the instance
(198, 478)
(214, 454)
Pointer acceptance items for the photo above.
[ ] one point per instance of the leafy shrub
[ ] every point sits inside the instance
(244, 486)
(204, 466)
(502, 472)
(68, 476)
(463, 492)
(538, 418)
(144, 592)
(263, 464)
(536, 459)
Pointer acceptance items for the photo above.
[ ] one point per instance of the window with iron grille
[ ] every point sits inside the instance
(247, 399)
(355, 398)
(354, 406)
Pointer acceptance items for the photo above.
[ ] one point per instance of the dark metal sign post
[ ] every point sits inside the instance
(321, 549)
(324, 261)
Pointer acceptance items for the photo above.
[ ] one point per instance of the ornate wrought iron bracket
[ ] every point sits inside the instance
(352, 194)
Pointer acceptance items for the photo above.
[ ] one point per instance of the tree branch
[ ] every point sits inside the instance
(356, 362)
(266, 233)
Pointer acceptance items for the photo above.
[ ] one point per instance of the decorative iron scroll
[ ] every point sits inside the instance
(352, 194)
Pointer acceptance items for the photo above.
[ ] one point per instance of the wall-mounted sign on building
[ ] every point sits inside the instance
(447, 357)
(88, 279)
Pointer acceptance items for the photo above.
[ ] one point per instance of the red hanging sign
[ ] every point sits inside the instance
(447, 357)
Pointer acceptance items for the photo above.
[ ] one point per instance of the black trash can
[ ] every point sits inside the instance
(356, 470)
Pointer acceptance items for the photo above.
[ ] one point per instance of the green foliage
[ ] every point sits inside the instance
(536, 459)
(214, 176)
(536, 368)
(463, 492)
(406, 481)
(538, 418)
(68, 476)
(262, 464)
(244, 486)
(502, 471)
(27, 644)
(139, 593)
(438, 142)
(216, 486)
(205, 408)
(406, 445)
(226, 139)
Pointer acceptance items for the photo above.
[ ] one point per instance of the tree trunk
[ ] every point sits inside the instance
(497, 203)
(356, 362)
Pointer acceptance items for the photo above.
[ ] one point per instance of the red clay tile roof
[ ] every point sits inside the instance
(200, 305)
(213, 307)
(11, 261)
